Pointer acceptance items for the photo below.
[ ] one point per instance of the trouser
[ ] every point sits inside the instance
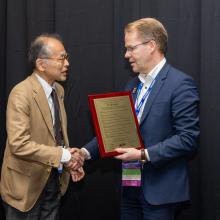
(135, 207)
(46, 207)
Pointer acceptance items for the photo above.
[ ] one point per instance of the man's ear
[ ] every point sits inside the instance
(40, 65)
(153, 45)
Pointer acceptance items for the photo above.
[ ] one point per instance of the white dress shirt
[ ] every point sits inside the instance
(147, 79)
(66, 155)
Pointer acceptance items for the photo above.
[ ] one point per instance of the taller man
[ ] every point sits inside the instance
(166, 104)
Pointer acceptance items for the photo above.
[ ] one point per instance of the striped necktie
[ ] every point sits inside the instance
(57, 123)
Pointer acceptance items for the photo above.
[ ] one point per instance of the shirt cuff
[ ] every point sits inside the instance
(86, 153)
(66, 156)
(147, 155)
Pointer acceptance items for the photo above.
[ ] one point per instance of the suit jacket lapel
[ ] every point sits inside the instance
(41, 100)
(155, 90)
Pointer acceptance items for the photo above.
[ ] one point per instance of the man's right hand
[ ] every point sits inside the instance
(77, 159)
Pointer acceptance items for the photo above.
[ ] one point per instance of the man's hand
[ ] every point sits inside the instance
(77, 159)
(128, 154)
(77, 175)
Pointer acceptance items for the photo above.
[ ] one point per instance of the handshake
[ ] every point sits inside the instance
(78, 156)
(75, 164)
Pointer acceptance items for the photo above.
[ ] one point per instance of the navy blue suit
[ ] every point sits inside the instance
(169, 129)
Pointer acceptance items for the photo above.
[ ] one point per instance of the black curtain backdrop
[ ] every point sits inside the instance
(92, 32)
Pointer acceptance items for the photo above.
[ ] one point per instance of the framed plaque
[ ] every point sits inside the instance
(115, 122)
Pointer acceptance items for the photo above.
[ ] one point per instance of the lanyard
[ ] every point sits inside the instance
(140, 86)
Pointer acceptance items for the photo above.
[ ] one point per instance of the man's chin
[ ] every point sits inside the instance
(62, 79)
(135, 70)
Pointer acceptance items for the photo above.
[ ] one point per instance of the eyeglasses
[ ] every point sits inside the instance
(62, 58)
(132, 48)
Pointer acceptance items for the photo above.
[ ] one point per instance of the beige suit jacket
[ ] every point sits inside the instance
(31, 150)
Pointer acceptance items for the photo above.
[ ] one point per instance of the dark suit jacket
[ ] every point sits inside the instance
(169, 129)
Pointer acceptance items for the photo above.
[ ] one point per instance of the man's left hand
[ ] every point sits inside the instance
(128, 154)
(77, 175)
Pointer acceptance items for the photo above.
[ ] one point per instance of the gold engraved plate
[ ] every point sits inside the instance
(116, 122)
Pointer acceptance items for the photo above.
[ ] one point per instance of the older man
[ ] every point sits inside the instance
(33, 177)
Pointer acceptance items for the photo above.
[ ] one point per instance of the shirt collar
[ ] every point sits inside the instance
(153, 73)
(47, 87)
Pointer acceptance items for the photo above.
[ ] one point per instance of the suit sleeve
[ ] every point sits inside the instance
(93, 148)
(185, 123)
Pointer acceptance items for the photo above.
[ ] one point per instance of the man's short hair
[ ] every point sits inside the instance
(150, 28)
(38, 48)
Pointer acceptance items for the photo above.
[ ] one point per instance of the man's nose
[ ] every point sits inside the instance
(127, 54)
(66, 62)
